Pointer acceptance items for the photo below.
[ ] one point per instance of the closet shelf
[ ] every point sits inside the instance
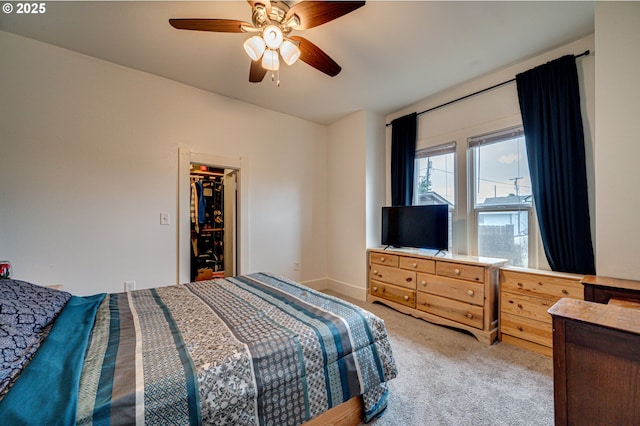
(212, 229)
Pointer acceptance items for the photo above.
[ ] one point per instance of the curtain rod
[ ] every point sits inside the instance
(585, 53)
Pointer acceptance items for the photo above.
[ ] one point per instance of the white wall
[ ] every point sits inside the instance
(375, 177)
(355, 194)
(89, 159)
(346, 217)
(490, 111)
(618, 139)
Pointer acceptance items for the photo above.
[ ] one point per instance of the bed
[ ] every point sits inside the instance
(257, 349)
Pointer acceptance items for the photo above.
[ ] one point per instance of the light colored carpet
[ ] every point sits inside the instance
(447, 377)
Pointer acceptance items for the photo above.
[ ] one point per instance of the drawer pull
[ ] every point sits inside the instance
(415, 265)
(382, 259)
(375, 289)
(424, 283)
(375, 272)
(470, 315)
(564, 291)
(470, 292)
(457, 271)
(406, 298)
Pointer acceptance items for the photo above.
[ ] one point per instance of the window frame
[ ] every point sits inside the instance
(474, 210)
(432, 151)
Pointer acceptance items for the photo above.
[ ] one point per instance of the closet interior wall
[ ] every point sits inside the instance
(207, 223)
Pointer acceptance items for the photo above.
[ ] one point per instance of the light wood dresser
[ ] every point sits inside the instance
(525, 296)
(456, 291)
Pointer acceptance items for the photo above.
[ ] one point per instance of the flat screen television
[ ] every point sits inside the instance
(425, 227)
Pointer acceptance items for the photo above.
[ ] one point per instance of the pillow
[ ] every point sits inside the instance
(17, 351)
(28, 306)
(26, 311)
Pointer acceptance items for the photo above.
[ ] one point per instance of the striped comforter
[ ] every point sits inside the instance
(250, 350)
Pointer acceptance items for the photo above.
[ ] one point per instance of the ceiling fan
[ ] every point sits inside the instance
(272, 23)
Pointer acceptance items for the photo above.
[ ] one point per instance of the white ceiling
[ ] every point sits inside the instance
(392, 53)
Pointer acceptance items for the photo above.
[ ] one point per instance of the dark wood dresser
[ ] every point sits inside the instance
(596, 363)
(602, 289)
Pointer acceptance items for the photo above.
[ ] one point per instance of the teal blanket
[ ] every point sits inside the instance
(47, 390)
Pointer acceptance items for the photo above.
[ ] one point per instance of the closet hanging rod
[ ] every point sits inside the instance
(204, 173)
(495, 86)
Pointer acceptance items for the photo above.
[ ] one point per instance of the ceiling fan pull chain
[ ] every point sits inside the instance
(278, 81)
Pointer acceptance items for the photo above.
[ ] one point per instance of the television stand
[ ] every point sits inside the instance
(454, 291)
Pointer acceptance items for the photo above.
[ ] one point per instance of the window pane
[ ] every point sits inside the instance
(502, 173)
(435, 180)
(504, 234)
(435, 183)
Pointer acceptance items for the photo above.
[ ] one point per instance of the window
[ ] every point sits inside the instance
(502, 201)
(435, 179)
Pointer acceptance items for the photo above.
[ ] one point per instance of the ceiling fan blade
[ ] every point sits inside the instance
(216, 25)
(265, 3)
(314, 56)
(314, 13)
(256, 72)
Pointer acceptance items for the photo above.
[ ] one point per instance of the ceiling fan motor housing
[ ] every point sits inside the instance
(262, 17)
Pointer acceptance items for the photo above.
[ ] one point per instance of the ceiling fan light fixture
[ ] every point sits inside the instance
(289, 52)
(272, 36)
(255, 47)
(270, 60)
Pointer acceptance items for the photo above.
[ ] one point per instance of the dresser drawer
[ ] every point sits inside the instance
(464, 313)
(459, 270)
(464, 291)
(419, 265)
(383, 259)
(391, 275)
(534, 308)
(541, 286)
(395, 294)
(526, 329)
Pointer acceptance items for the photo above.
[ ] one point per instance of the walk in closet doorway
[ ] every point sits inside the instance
(213, 221)
(213, 216)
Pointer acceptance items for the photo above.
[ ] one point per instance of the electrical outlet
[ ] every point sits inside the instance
(129, 285)
(164, 218)
(296, 266)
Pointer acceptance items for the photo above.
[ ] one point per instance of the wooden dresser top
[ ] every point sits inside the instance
(448, 257)
(609, 316)
(611, 282)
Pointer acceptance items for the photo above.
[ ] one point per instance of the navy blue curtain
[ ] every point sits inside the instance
(403, 154)
(550, 106)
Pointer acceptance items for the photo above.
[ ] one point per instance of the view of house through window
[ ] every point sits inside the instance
(435, 178)
(502, 199)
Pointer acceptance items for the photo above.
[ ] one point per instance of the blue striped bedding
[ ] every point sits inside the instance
(250, 350)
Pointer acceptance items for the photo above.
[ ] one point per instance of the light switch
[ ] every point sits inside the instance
(164, 218)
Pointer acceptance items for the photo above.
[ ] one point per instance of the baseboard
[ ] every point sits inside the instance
(322, 284)
(319, 284)
(348, 289)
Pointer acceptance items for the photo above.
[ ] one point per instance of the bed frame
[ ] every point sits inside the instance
(348, 413)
